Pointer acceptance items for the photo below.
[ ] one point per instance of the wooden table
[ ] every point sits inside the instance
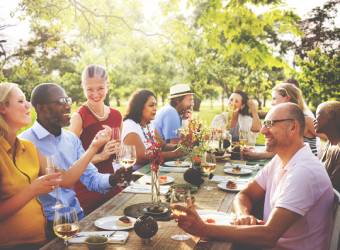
(215, 199)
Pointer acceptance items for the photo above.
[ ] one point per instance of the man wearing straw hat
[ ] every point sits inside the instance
(168, 119)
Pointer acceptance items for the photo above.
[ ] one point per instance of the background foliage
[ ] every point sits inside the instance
(216, 46)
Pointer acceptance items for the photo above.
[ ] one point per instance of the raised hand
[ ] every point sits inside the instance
(102, 137)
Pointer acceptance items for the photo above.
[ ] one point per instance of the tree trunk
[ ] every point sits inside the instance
(197, 104)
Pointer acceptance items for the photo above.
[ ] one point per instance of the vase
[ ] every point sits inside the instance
(155, 187)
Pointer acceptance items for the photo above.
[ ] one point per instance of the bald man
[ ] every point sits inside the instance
(298, 195)
(328, 122)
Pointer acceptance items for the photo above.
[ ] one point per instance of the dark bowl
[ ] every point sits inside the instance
(96, 242)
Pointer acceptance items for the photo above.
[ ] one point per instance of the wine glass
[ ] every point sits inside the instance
(179, 196)
(243, 137)
(116, 138)
(50, 169)
(65, 223)
(127, 158)
(208, 166)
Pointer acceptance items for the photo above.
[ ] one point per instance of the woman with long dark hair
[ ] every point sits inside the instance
(138, 129)
(242, 115)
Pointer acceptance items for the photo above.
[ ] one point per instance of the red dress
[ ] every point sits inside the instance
(91, 125)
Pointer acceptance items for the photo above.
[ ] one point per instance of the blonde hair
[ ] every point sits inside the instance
(290, 90)
(92, 71)
(5, 91)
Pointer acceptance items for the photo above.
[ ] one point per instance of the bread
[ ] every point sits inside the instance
(236, 170)
(124, 222)
(231, 185)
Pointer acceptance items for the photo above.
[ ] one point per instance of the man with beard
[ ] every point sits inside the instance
(328, 122)
(296, 189)
(53, 109)
(168, 119)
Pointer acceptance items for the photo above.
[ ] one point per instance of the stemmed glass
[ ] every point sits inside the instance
(243, 137)
(115, 138)
(50, 169)
(179, 196)
(127, 158)
(65, 223)
(208, 166)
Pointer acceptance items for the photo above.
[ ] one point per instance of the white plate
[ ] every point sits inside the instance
(220, 218)
(243, 171)
(110, 223)
(168, 180)
(181, 164)
(239, 186)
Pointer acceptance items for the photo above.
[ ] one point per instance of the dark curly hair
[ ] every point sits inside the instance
(136, 104)
(245, 98)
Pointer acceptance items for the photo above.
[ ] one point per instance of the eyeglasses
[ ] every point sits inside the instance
(271, 123)
(63, 101)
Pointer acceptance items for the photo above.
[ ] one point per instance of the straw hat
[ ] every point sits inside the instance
(179, 90)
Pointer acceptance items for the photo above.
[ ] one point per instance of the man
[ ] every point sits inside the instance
(328, 122)
(297, 193)
(53, 108)
(168, 119)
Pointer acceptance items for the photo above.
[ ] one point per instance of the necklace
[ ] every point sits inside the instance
(148, 136)
(100, 118)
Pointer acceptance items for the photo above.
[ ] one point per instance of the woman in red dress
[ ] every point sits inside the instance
(86, 122)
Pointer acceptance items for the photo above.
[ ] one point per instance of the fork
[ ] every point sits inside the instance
(110, 234)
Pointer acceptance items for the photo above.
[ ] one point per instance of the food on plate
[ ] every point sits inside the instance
(236, 170)
(178, 163)
(231, 185)
(163, 179)
(124, 222)
(210, 221)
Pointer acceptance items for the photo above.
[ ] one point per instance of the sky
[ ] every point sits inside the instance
(20, 31)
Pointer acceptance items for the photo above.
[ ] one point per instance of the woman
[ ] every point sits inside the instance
(23, 175)
(86, 122)
(286, 92)
(243, 115)
(138, 129)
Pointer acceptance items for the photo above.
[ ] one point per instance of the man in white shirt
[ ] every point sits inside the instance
(297, 192)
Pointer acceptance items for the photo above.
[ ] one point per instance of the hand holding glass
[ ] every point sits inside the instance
(179, 196)
(50, 169)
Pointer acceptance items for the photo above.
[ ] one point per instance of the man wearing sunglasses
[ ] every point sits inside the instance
(294, 185)
(53, 109)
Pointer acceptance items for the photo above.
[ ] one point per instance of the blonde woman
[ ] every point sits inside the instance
(87, 121)
(287, 92)
(23, 174)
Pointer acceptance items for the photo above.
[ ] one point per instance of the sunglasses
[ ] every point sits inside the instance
(63, 101)
(271, 123)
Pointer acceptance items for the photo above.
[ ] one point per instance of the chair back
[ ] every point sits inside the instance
(335, 233)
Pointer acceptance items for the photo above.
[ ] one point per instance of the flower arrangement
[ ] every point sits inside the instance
(194, 139)
(154, 153)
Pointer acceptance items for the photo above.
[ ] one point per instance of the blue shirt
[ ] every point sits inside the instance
(67, 148)
(167, 122)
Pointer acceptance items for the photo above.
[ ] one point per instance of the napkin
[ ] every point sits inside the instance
(117, 237)
(144, 189)
(173, 169)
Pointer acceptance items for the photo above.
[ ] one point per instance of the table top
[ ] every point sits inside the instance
(215, 199)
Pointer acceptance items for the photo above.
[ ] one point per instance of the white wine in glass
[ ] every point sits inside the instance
(116, 138)
(65, 223)
(127, 157)
(179, 196)
(50, 169)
